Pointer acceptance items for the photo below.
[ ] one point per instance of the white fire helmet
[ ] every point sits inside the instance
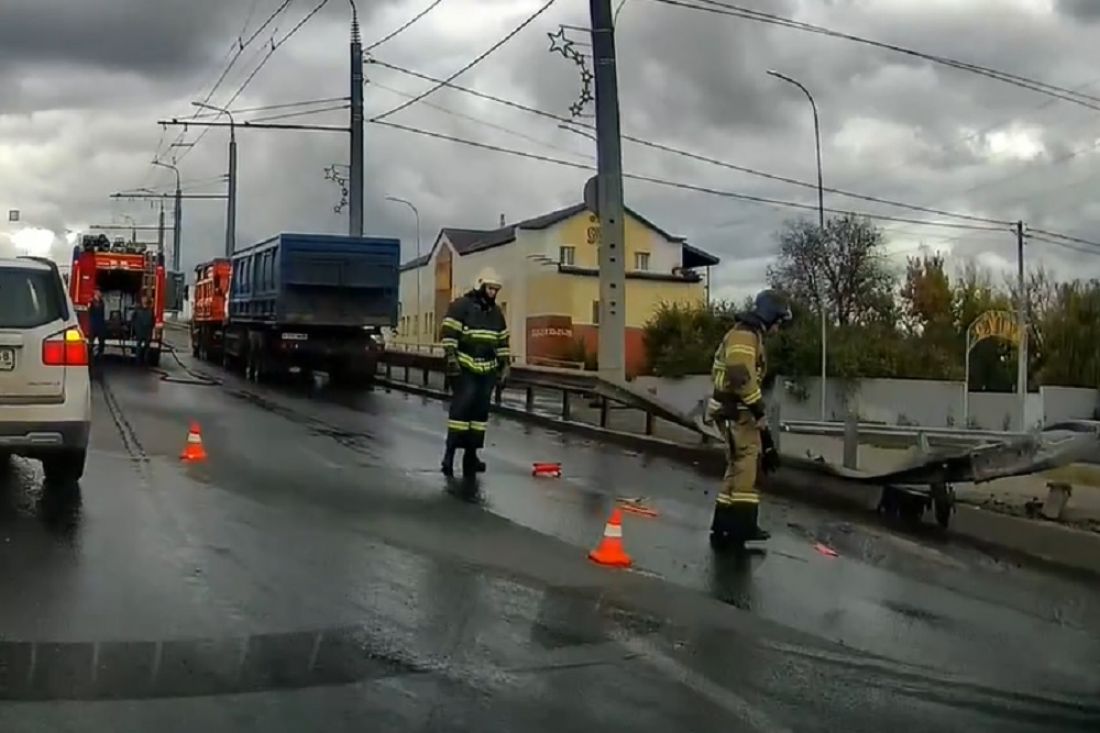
(488, 276)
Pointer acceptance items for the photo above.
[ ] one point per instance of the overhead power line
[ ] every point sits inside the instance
(1065, 237)
(477, 60)
(275, 46)
(282, 105)
(403, 27)
(679, 185)
(695, 156)
(1064, 245)
(301, 113)
(729, 9)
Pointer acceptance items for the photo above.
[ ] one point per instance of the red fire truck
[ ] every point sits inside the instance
(125, 273)
(211, 308)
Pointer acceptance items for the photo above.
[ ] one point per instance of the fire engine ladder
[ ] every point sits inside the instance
(149, 278)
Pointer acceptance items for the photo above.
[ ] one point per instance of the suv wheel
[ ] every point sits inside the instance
(66, 466)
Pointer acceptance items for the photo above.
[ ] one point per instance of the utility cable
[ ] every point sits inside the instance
(695, 156)
(477, 60)
(405, 26)
(724, 8)
(679, 185)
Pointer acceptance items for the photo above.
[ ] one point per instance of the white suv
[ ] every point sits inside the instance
(45, 390)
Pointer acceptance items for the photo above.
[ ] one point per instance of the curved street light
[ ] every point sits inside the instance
(416, 213)
(821, 227)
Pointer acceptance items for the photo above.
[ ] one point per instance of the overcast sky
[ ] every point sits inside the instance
(83, 82)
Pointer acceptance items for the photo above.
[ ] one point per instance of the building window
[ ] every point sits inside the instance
(567, 255)
(641, 261)
(596, 312)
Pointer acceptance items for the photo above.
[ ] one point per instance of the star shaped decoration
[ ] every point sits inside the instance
(576, 108)
(560, 44)
(586, 76)
(586, 97)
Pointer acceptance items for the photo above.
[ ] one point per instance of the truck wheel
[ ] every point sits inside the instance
(154, 358)
(65, 467)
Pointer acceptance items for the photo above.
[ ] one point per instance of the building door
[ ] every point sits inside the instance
(443, 285)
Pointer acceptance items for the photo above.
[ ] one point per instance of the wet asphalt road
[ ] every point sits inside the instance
(317, 573)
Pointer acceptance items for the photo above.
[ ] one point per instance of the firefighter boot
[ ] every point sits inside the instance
(448, 466)
(753, 531)
(471, 464)
(723, 526)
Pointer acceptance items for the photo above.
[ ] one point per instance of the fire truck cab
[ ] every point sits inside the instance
(211, 308)
(126, 274)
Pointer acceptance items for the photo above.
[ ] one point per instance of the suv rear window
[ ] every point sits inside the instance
(29, 298)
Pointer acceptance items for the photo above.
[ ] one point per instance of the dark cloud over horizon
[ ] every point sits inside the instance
(82, 83)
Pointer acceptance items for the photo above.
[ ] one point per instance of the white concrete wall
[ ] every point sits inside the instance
(889, 401)
(1069, 403)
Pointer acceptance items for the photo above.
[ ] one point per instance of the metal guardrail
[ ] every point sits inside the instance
(569, 382)
(909, 432)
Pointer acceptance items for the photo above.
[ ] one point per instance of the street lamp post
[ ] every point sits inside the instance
(416, 213)
(178, 224)
(821, 230)
(231, 205)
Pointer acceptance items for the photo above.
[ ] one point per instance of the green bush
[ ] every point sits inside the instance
(681, 339)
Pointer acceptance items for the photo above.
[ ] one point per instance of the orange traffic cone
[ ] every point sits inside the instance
(193, 451)
(610, 550)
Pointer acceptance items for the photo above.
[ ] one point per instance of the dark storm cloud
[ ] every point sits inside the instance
(151, 37)
(89, 78)
(1087, 10)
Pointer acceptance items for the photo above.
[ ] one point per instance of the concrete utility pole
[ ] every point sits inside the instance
(609, 187)
(178, 224)
(355, 179)
(1021, 325)
(821, 229)
(231, 205)
(160, 231)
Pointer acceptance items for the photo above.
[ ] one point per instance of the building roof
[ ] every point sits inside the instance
(468, 241)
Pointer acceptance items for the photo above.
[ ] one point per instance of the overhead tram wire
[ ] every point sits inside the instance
(282, 105)
(728, 9)
(403, 27)
(477, 60)
(676, 184)
(240, 45)
(1064, 245)
(263, 62)
(695, 156)
(1065, 237)
(479, 121)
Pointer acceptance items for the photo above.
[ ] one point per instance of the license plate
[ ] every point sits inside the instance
(295, 337)
(7, 360)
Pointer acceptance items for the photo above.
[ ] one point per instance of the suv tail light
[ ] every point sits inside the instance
(67, 348)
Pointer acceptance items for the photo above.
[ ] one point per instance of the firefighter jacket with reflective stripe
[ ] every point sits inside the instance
(739, 368)
(476, 333)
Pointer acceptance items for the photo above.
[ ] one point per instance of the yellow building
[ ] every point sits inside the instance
(550, 295)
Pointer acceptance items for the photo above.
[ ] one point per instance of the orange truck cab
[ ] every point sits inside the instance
(210, 307)
(125, 274)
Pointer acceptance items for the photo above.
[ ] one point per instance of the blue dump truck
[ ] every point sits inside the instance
(299, 303)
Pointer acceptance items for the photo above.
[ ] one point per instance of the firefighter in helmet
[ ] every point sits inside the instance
(475, 341)
(737, 409)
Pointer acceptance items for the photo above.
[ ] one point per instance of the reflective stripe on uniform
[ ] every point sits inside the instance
(739, 349)
(744, 497)
(449, 342)
(458, 426)
(481, 334)
(478, 366)
(454, 323)
(503, 351)
(753, 397)
(478, 427)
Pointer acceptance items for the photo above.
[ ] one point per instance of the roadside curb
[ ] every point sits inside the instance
(1047, 543)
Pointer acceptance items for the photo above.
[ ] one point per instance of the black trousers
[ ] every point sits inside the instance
(469, 413)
